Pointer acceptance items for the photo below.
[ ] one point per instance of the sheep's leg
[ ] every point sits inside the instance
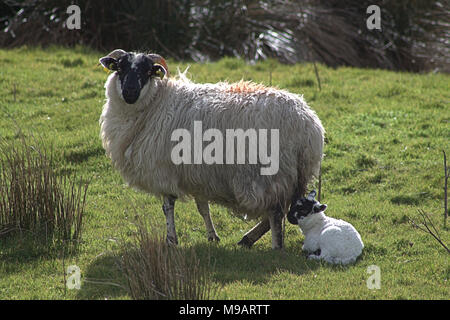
(203, 209)
(276, 227)
(168, 208)
(255, 233)
(265, 225)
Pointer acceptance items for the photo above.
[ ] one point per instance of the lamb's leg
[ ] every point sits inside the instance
(314, 257)
(255, 233)
(203, 209)
(168, 208)
(276, 227)
(319, 255)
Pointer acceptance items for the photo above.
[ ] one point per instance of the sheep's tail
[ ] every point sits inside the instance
(309, 157)
(301, 187)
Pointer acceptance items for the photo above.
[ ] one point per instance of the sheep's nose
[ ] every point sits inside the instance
(130, 91)
(130, 94)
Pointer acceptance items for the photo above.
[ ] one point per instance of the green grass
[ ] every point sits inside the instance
(385, 136)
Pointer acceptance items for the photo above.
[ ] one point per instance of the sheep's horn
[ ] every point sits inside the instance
(159, 60)
(116, 53)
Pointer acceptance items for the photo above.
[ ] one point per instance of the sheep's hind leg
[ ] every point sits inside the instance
(203, 209)
(255, 233)
(276, 227)
(168, 209)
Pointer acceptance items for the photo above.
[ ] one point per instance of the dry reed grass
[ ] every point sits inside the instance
(158, 271)
(34, 198)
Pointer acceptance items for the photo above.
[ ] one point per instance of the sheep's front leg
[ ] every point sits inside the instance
(203, 209)
(255, 233)
(276, 227)
(168, 208)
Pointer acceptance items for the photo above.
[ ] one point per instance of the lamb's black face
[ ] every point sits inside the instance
(303, 207)
(134, 71)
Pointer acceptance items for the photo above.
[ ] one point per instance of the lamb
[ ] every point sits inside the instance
(143, 109)
(335, 241)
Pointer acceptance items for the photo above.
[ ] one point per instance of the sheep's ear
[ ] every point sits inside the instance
(109, 63)
(311, 195)
(117, 53)
(320, 208)
(158, 71)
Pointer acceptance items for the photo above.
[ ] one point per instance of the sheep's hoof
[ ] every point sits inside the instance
(277, 247)
(245, 242)
(171, 241)
(213, 237)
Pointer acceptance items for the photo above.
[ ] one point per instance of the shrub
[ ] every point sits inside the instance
(413, 37)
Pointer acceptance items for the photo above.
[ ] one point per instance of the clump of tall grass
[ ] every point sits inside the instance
(34, 198)
(158, 271)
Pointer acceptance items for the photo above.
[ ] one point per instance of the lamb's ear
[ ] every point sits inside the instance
(320, 208)
(109, 63)
(158, 71)
(311, 195)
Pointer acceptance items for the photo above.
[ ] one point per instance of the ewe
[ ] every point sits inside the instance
(143, 110)
(335, 241)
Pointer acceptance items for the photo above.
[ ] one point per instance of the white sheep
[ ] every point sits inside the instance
(145, 107)
(335, 241)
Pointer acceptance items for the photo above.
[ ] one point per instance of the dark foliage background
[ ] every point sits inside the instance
(414, 35)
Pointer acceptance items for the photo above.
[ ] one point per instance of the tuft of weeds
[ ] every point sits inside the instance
(34, 199)
(365, 161)
(156, 270)
(68, 63)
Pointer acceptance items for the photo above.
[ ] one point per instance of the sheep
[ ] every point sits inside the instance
(145, 107)
(335, 241)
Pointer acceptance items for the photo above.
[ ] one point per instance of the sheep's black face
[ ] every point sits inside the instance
(134, 71)
(301, 208)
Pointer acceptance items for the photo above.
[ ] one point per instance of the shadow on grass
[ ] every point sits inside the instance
(253, 265)
(79, 156)
(104, 279)
(22, 249)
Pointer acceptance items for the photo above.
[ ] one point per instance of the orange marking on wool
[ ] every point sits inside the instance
(246, 87)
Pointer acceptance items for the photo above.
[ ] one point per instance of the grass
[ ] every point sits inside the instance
(385, 136)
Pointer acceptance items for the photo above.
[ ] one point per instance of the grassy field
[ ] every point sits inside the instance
(385, 136)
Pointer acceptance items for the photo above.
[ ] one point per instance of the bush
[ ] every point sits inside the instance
(414, 34)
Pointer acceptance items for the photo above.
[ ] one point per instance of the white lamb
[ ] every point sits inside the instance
(335, 241)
